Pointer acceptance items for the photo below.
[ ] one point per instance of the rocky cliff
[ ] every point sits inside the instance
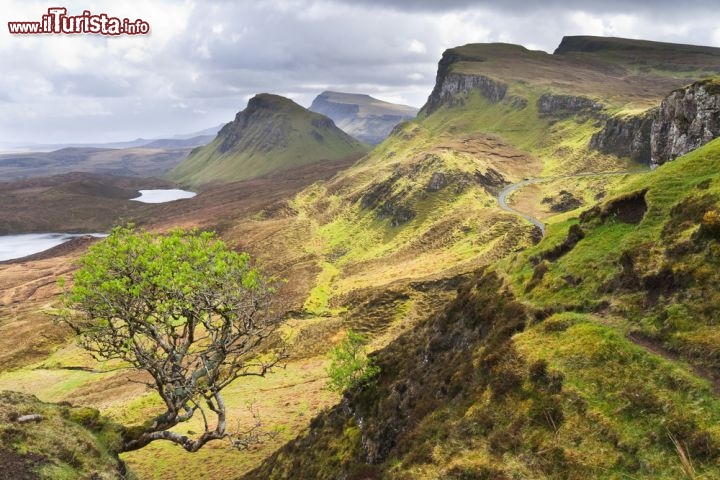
(686, 119)
(565, 105)
(450, 88)
(453, 87)
(626, 137)
(365, 118)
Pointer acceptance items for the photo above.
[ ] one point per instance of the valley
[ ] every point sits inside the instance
(539, 305)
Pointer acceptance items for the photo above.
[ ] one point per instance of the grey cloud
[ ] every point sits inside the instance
(203, 76)
(526, 6)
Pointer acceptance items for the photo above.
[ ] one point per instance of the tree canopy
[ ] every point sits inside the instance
(185, 308)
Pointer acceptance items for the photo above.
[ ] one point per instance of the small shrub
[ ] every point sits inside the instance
(542, 379)
(349, 364)
(87, 417)
(710, 225)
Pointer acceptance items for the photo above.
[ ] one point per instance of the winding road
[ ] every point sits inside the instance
(505, 192)
(502, 201)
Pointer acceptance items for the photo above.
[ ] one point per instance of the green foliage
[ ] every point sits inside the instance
(349, 364)
(191, 312)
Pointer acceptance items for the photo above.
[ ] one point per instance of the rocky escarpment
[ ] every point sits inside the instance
(566, 105)
(451, 88)
(626, 137)
(686, 119)
(455, 87)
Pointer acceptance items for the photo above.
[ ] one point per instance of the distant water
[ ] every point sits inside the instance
(162, 196)
(18, 246)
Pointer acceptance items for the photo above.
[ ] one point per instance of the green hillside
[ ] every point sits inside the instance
(588, 355)
(271, 135)
(596, 360)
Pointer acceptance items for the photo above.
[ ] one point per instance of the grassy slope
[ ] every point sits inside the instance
(512, 382)
(659, 275)
(67, 443)
(608, 425)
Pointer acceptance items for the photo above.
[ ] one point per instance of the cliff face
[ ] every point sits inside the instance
(566, 105)
(626, 137)
(451, 87)
(687, 119)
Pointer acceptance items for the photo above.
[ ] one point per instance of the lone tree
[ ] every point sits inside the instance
(186, 309)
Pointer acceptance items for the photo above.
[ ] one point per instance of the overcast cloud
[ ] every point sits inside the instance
(204, 59)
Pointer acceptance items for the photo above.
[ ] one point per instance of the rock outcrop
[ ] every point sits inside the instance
(452, 88)
(686, 119)
(566, 105)
(626, 137)
(455, 87)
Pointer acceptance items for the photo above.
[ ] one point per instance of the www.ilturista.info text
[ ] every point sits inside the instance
(58, 22)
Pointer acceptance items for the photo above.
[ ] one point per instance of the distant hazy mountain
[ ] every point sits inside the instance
(191, 142)
(132, 162)
(272, 134)
(362, 116)
(193, 139)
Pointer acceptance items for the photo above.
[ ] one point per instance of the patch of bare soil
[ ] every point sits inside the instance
(14, 466)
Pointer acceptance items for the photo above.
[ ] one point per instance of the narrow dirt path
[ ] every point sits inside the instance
(659, 349)
(507, 191)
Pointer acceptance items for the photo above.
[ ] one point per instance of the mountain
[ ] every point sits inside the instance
(271, 135)
(366, 118)
(540, 306)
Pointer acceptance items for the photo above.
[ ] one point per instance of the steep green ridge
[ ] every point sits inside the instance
(271, 135)
(557, 362)
(534, 370)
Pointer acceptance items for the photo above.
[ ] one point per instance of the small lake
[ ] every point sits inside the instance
(162, 196)
(18, 246)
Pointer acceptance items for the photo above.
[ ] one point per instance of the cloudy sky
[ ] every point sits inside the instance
(204, 59)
